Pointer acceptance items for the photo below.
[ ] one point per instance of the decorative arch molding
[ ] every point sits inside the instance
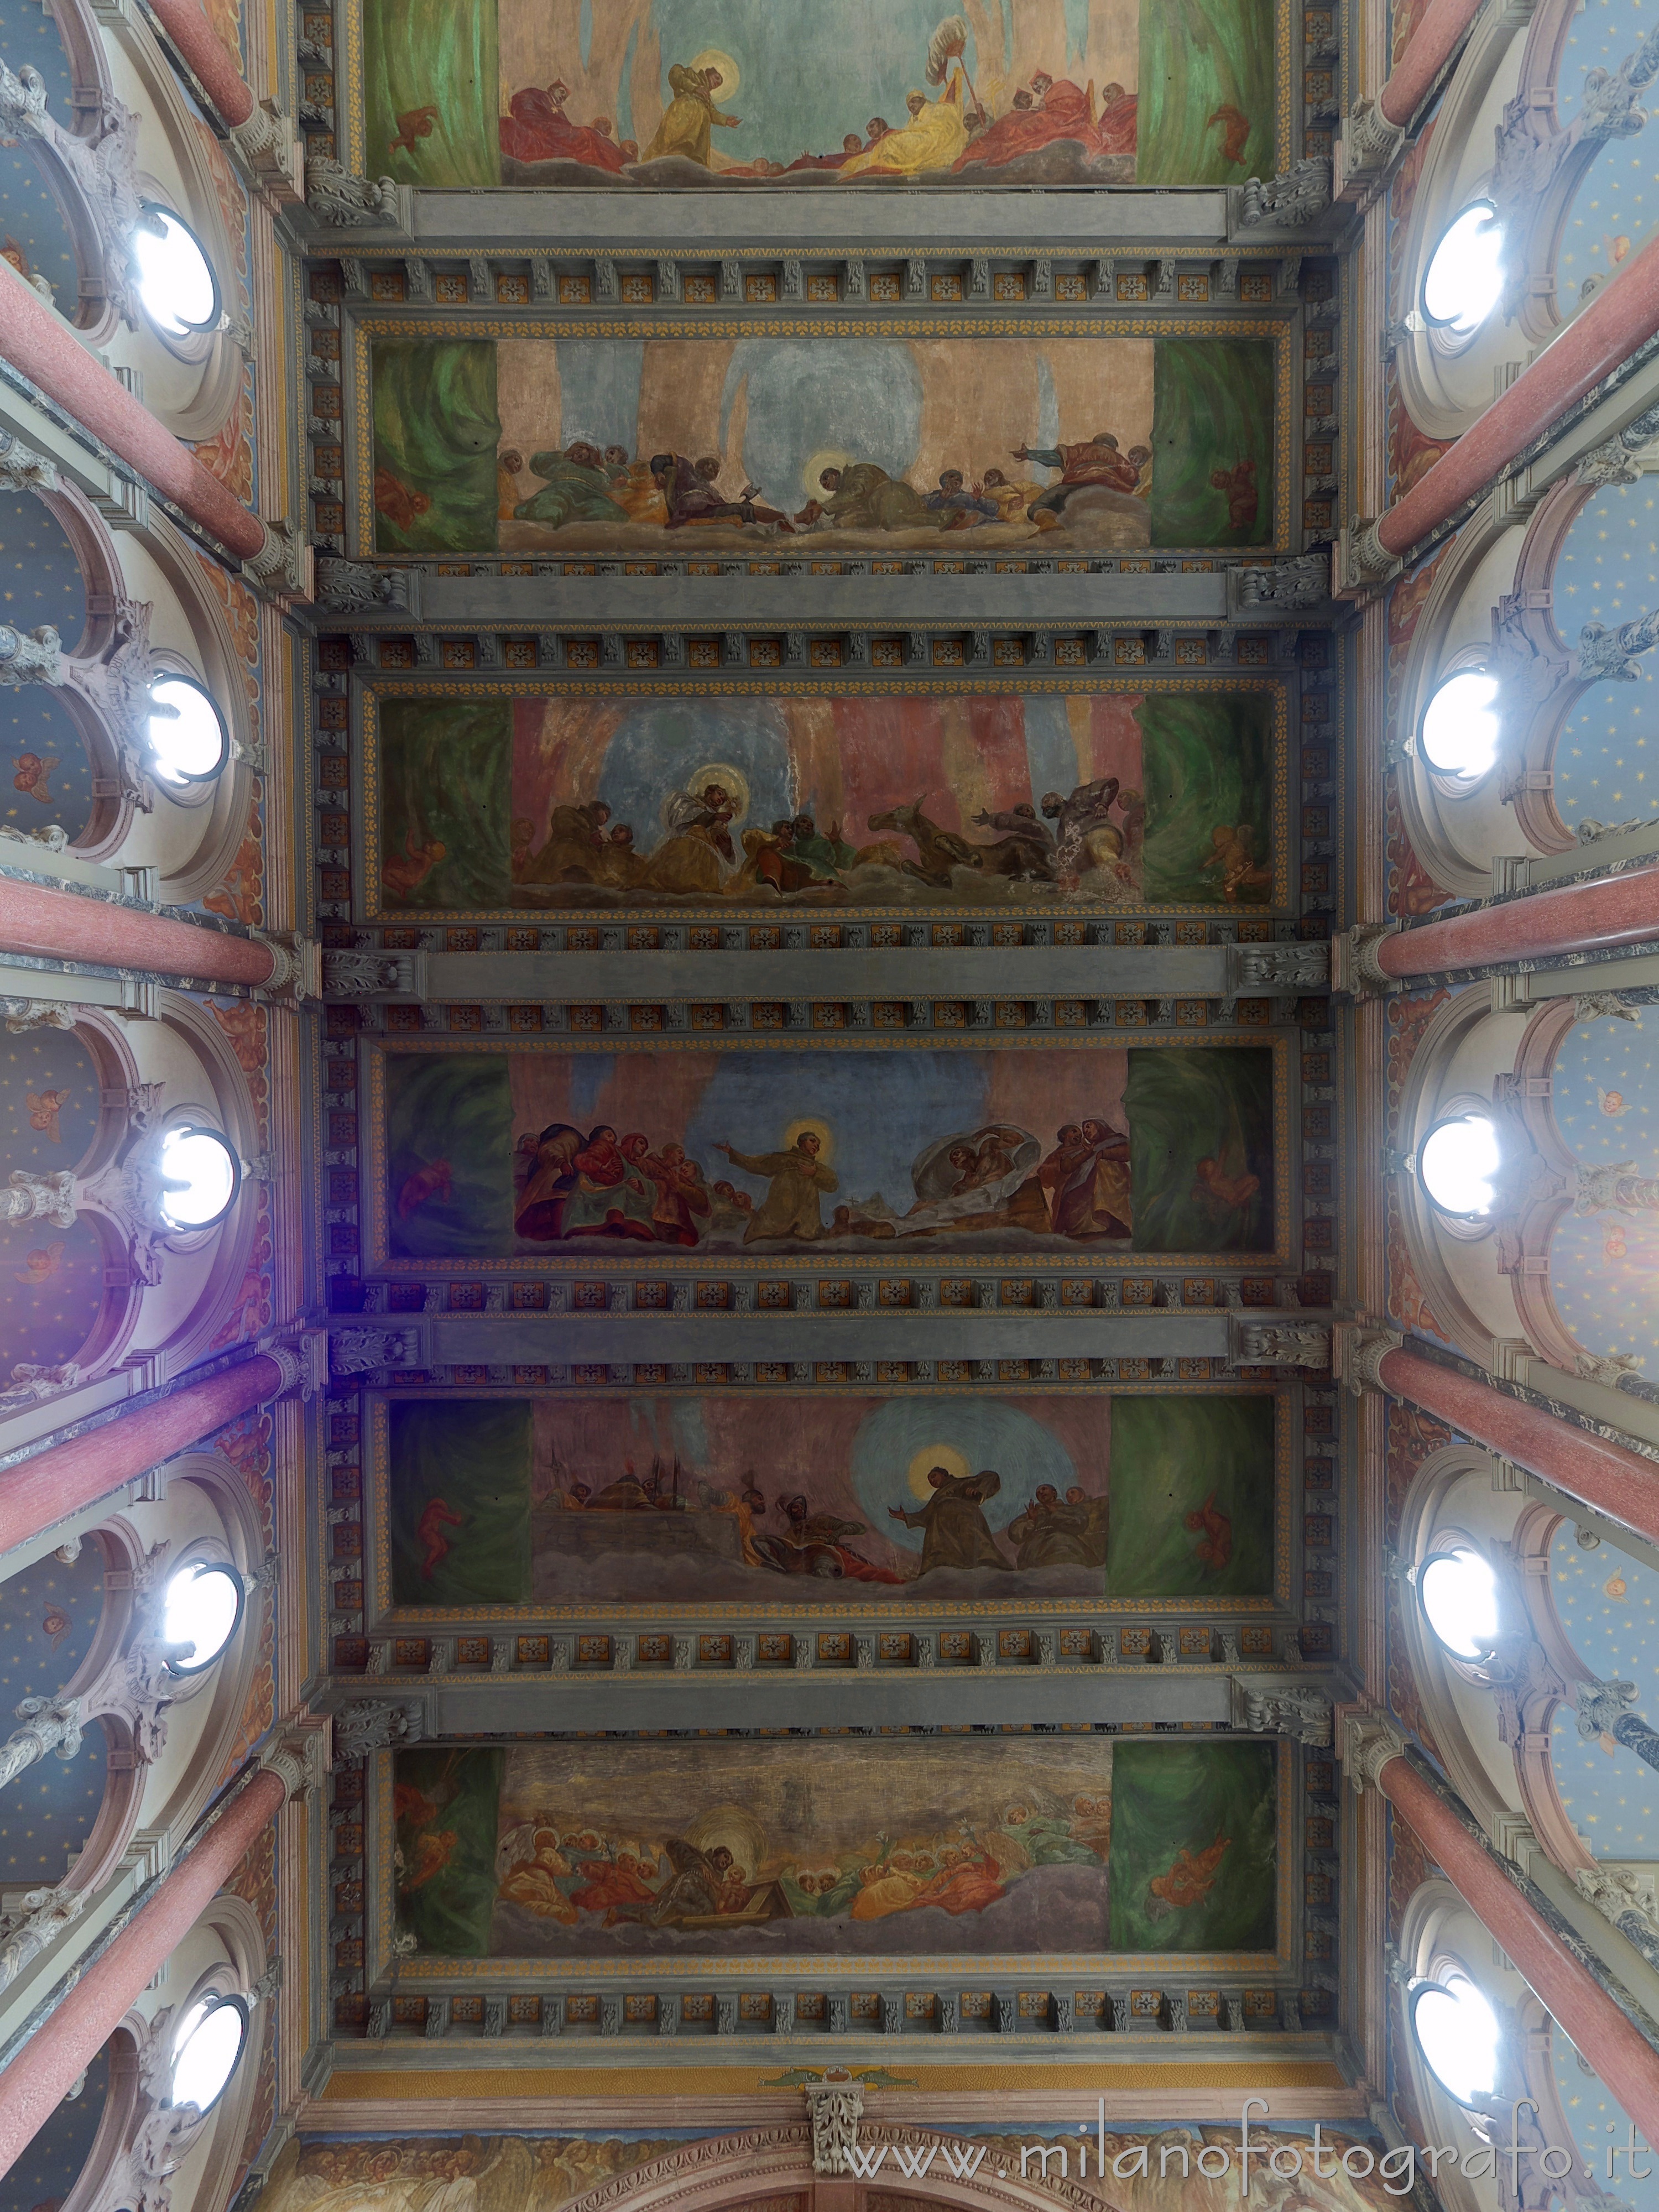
(1454, 833)
(103, 681)
(89, 165)
(1441, 390)
(1465, 1053)
(148, 1320)
(169, 1736)
(147, 2154)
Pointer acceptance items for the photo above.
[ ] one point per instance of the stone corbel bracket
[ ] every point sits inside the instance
(373, 1351)
(1277, 1339)
(1270, 1706)
(1276, 971)
(338, 200)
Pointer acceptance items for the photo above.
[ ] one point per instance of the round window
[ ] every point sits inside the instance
(176, 284)
(188, 740)
(201, 1175)
(212, 2037)
(1461, 727)
(1459, 1594)
(1457, 2033)
(1457, 1164)
(1465, 277)
(203, 1608)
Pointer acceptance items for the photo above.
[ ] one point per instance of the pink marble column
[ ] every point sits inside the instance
(1435, 38)
(1577, 1462)
(54, 924)
(1579, 918)
(37, 1494)
(1617, 320)
(217, 70)
(1621, 2056)
(35, 338)
(35, 2084)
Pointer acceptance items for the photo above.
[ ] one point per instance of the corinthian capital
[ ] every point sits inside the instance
(1368, 1742)
(1358, 1353)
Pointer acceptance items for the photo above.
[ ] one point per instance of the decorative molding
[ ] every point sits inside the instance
(1297, 584)
(1358, 1352)
(1265, 1706)
(341, 201)
(1296, 196)
(1264, 1340)
(355, 587)
(1277, 970)
(367, 1351)
(834, 2106)
(376, 1724)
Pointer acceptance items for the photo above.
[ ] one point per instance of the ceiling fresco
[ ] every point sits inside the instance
(1604, 573)
(1612, 211)
(1608, 1604)
(685, 1636)
(848, 1852)
(568, 439)
(1111, 798)
(1603, 1262)
(690, 95)
(589, 1502)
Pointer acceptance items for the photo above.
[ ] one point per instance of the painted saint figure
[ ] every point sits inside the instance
(957, 1533)
(689, 120)
(791, 1206)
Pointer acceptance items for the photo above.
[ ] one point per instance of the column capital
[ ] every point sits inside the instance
(1358, 1350)
(1366, 1742)
(298, 1753)
(284, 568)
(1369, 143)
(1355, 965)
(296, 971)
(301, 1359)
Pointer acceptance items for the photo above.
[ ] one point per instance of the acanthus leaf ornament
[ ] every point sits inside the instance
(343, 201)
(1296, 196)
(1295, 1709)
(836, 2104)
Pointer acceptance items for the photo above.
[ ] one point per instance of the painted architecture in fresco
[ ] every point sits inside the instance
(843, 1851)
(689, 94)
(932, 1153)
(858, 443)
(638, 1499)
(1095, 800)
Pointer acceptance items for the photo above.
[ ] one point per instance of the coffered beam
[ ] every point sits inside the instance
(1078, 223)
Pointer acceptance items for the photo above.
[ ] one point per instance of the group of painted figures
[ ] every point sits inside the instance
(1098, 828)
(585, 482)
(574, 1184)
(953, 134)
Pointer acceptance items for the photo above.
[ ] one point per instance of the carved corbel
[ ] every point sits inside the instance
(1284, 970)
(1296, 196)
(1273, 1707)
(1262, 1339)
(366, 1351)
(1302, 582)
(341, 201)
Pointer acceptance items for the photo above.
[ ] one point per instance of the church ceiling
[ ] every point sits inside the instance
(819, 790)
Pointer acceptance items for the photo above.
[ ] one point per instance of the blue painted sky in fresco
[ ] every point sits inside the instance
(1608, 1604)
(52, 1280)
(1607, 760)
(40, 581)
(1620, 195)
(781, 82)
(46, 2172)
(32, 219)
(1596, 2120)
(1604, 1268)
(48, 1614)
(799, 400)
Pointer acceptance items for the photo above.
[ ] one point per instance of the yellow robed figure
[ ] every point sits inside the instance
(932, 139)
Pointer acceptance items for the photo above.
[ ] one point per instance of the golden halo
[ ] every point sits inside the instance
(739, 1832)
(827, 457)
(731, 74)
(731, 780)
(811, 1129)
(930, 1456)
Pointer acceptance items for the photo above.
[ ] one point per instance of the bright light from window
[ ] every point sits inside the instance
(1457, 1162)
(1458, 2033)
(203, 1606)
(200, 1174)
(1459, 1592)
(210, 2040)
(188, 741)
(1461, 726)
(1466, 274)
(176, 282)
